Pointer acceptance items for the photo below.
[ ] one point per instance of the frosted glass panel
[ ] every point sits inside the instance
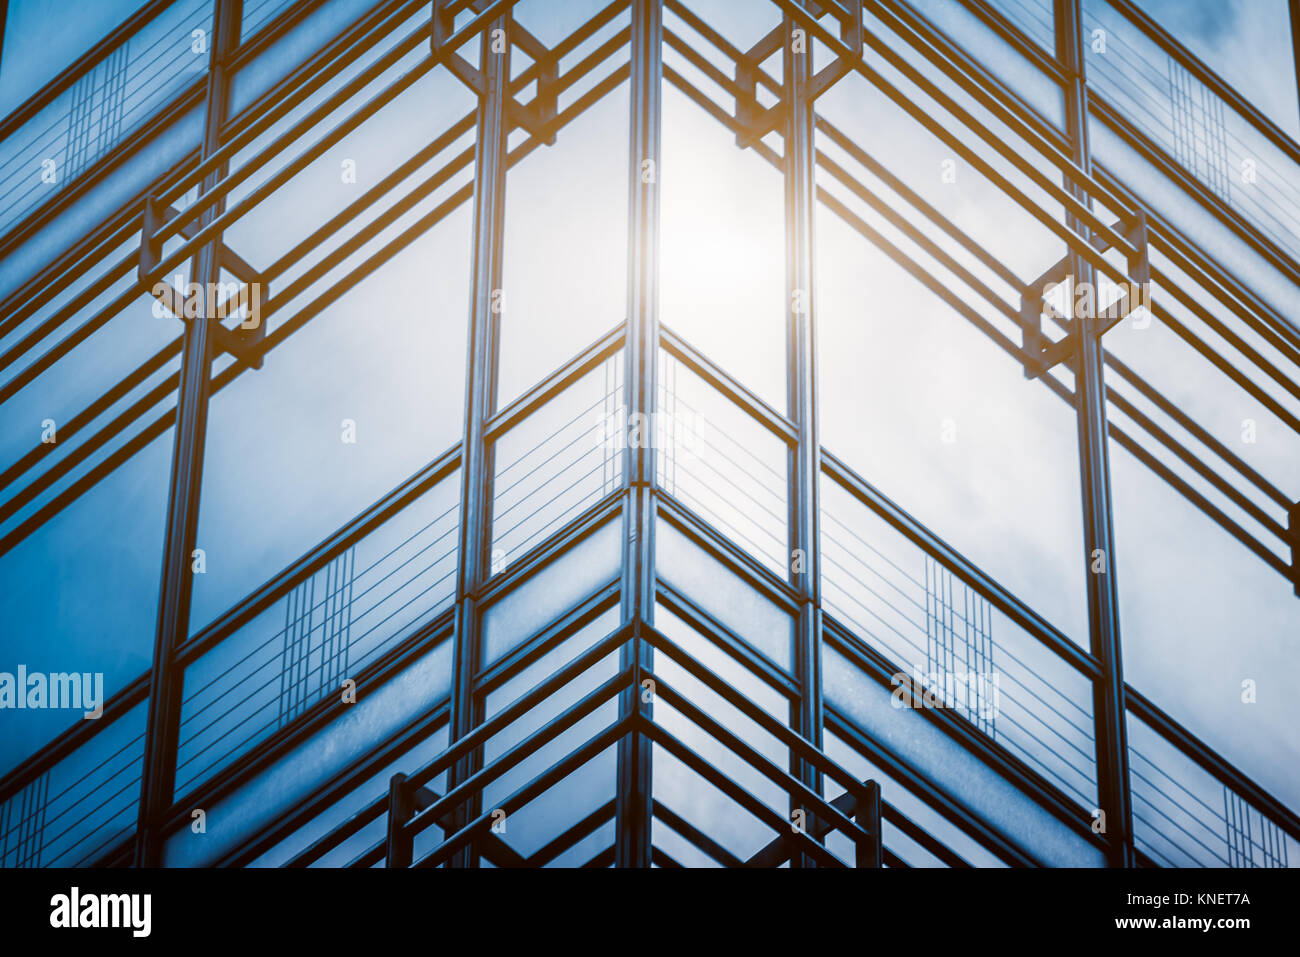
(529, 828)
(720, 592)
(985, 792)
(681, 789)
(376, 715)
(534, 603)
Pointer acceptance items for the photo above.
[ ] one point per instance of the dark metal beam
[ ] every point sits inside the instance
(803, 562)
(1293, 10)
(480, 398)
(167, 681)
(632, 827)
(1098, 564)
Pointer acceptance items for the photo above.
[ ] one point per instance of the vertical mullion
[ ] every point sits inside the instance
(1293, 8)
(480, 399)
(1109, 710)
(805, 458)
(633, 803)
(162, 731)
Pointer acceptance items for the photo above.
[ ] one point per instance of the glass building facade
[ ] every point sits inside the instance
(493, 433)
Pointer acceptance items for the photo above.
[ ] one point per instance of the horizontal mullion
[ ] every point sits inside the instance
(558, 541)
(1178, 415)
(1049, 151)
(916, 235)
(80, 734)
(110, 431)
(1131, 444)
(732, 389)
(138, 137)
(539, 785)
(75, 262)
(221, 780)
(255, 119)
(371, 196)
(990, 92)
(740, 795)
(445, 760)
(480, 734)
(894, 816)
(210, 231)
(371, 230)
(919, 202)
(1180, 176)
(83, 65)
(727, 640)
(797, 790)
(963, 308)
(928, 791)
(1220, 87)
(1013, 33)
(351, 533)
(87, 415)
(75, 337)
(584, 362)
(1192, 461)
(801, 747)
(558, 631)
(1186, 255)
(694, 836)
(278, 106)
(957, 303)
(971, 575)
(336, 789)
(1210, 761)
(721, 547)
(318, 304)
(330, 60)
(876, 666)
(1220, 361)
(570, 836)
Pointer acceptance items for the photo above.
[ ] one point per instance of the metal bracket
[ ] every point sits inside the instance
(406, 801)
(403, 802)
(537, 115)
(756, 121)
(243, 342)
(851, 34)
(866, 812)
(1134, 229)
(1040, 354)
(156, 216)
(1040, 357)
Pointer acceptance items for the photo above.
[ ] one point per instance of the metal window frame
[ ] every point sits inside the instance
(639, 501)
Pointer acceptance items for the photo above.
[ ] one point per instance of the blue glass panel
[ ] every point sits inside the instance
(961, 773)
(279, 788)
(584, 790)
